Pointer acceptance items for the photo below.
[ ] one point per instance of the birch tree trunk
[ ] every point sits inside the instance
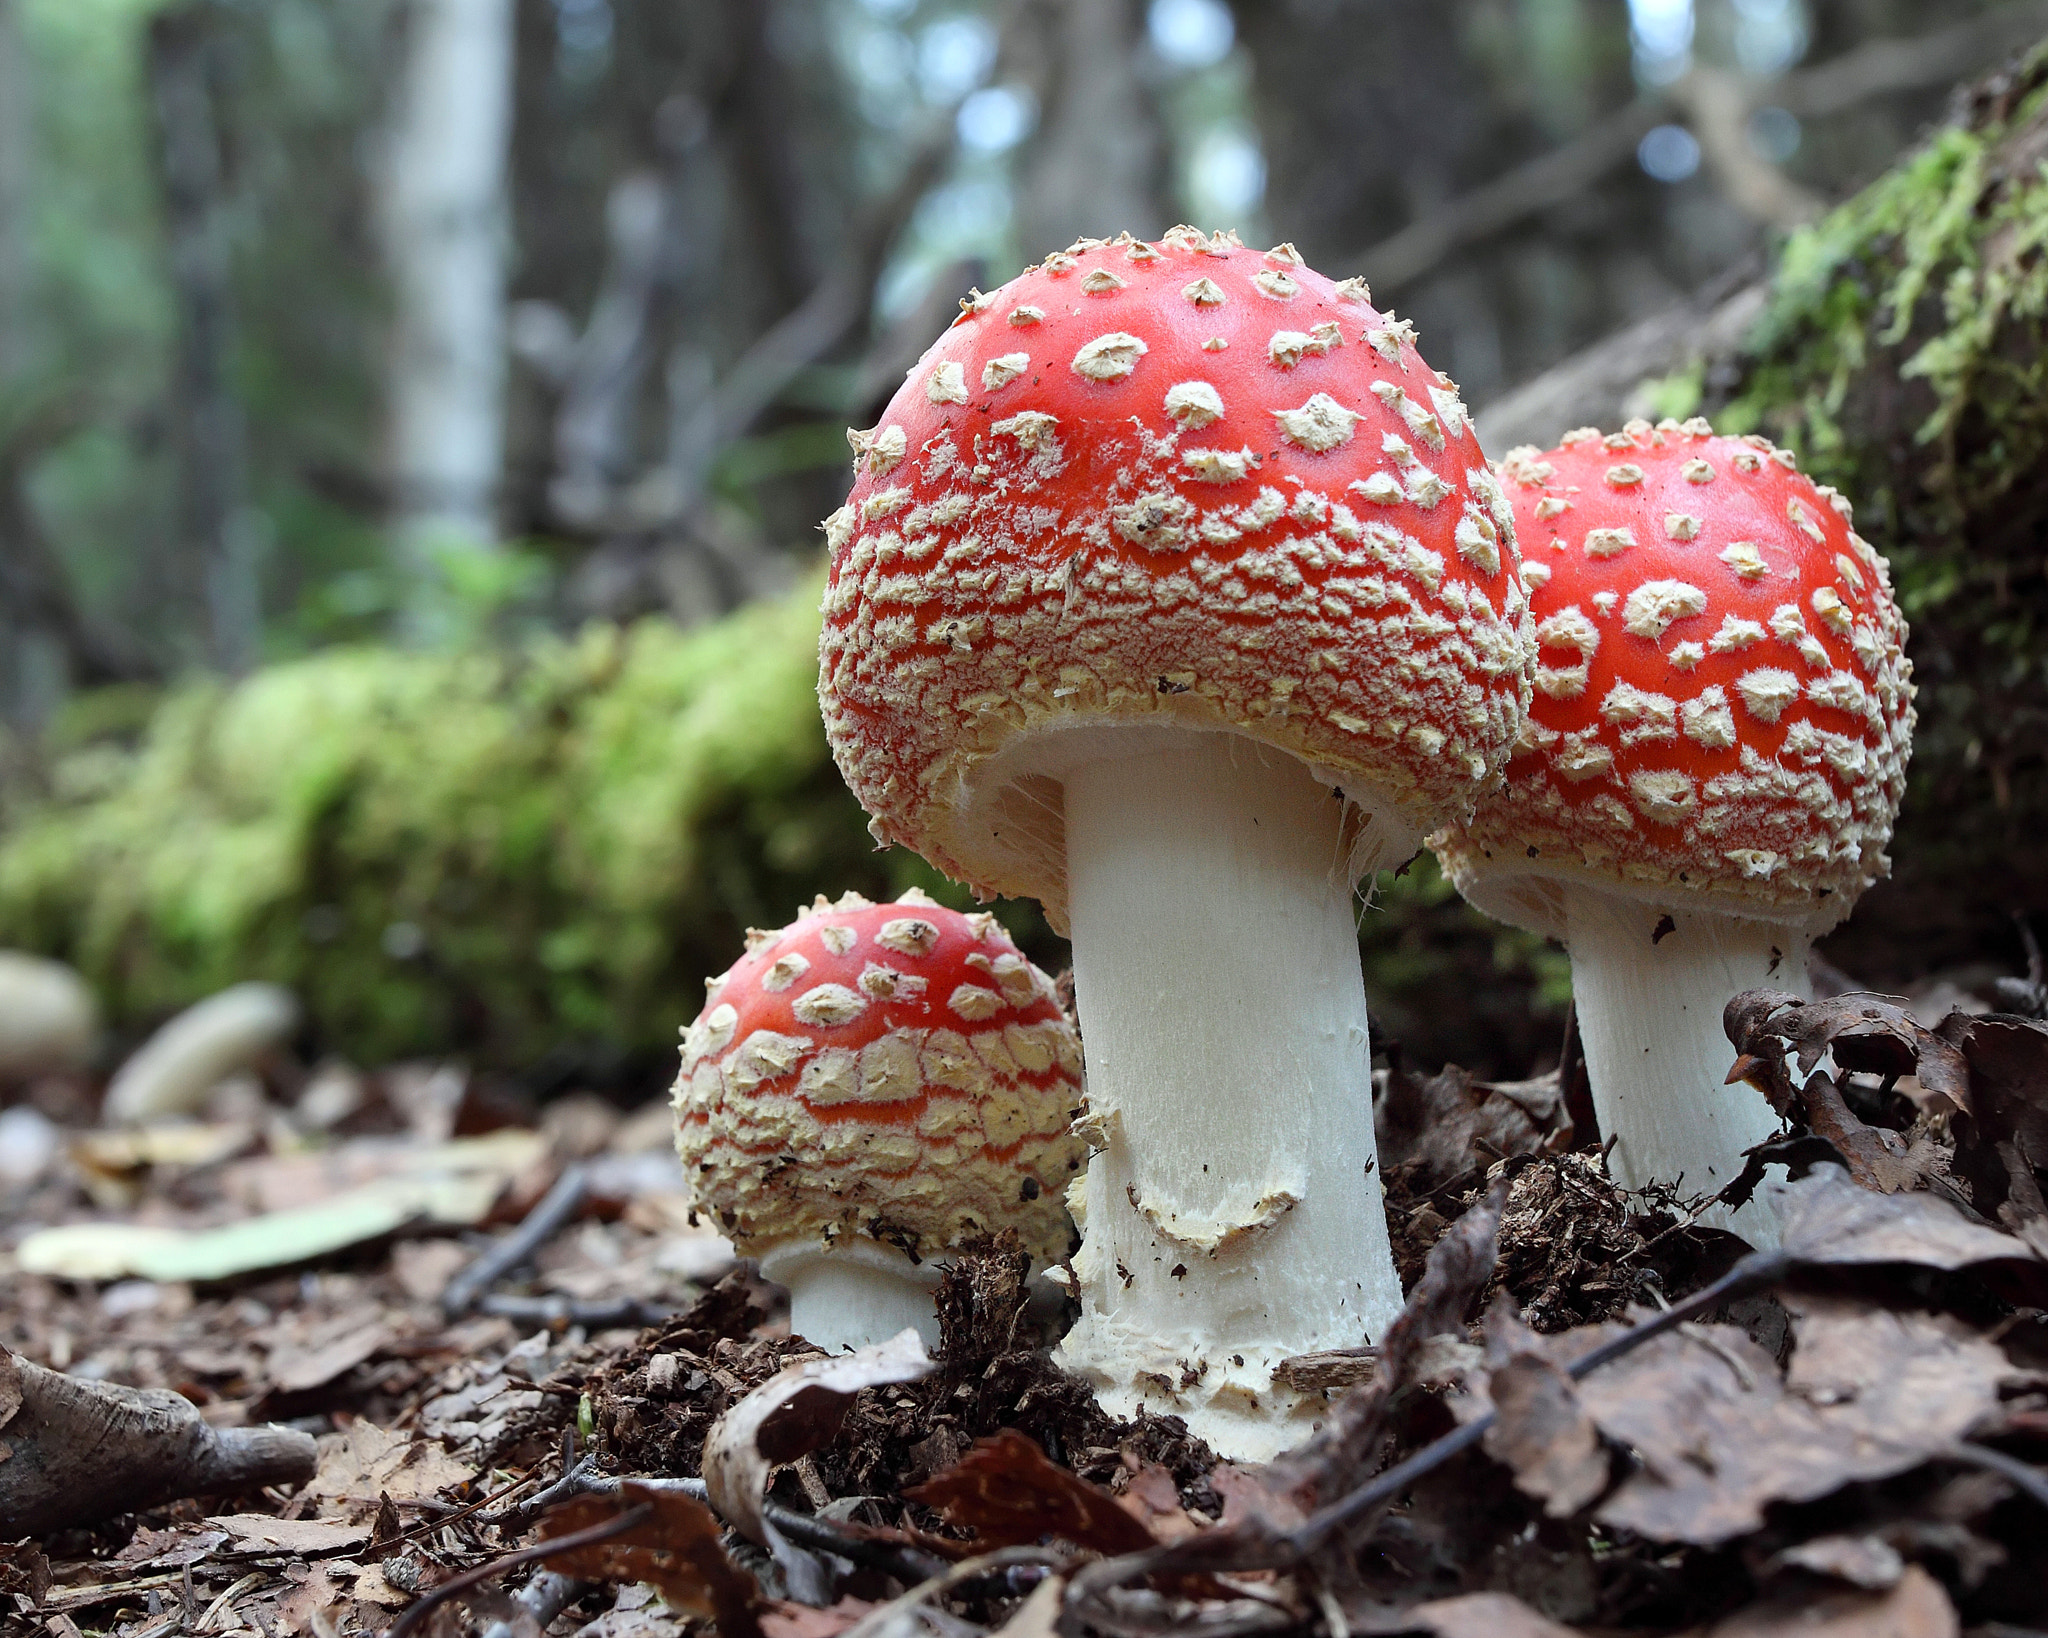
(446, 235)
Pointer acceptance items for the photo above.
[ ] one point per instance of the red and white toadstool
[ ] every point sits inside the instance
(1174, 592)
(868, 1088)
(1710, 769)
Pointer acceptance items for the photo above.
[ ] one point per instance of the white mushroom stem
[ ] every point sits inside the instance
(1650, 998)
(853, 1293)
(1234, 1217)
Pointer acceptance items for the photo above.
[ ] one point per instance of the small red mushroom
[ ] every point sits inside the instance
(867, 1089)
(1175, 592)
(1710, 769)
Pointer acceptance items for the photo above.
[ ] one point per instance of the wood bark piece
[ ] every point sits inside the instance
(77, 1451)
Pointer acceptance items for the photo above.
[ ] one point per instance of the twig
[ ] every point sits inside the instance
(1256, 1547)
(556, 1207)
(805, 1529)
(884, 1618)
(1872, 69)
(2029, 1479)
(543, 1598)
(559, 1310)
(420, 1609)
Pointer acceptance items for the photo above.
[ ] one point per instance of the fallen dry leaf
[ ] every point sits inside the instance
(1916, 1608)
(782, 1619)
(1868, 1562)
(1720, 1435)
(306, 1536)
(1484, 1615)
(1010, 1495)
(675, 1549)
(364, 1461)
(792, 1414)
(1825, 1218)
(1868, 1034)
(2002, 1142)
(1436, 1126)
(1541, 1431)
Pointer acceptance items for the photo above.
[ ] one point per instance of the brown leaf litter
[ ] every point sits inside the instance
(1853, 1440)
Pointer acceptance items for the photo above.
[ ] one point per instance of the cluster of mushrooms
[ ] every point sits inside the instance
(1175, 593)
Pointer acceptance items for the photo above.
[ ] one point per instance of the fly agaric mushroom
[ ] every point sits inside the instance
(1710, 769)
(1174, 592)
(867, 1089)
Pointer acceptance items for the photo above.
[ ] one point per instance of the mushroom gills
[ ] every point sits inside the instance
(1651, 988)
(1234, 1218)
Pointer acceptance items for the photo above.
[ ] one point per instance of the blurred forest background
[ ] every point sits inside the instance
(415, 416)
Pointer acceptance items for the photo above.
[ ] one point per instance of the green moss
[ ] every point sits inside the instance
(491, 852)
(510, 854)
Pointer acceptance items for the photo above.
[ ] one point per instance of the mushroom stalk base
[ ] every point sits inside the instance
(1650, 1011)
(855, 1293)
(1233, 1217)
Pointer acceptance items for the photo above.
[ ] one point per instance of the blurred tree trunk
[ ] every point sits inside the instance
(446, 238)
(31, 666)
(1097, 164)
(220, 531)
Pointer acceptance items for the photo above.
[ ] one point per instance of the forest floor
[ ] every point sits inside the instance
(1595, 1415)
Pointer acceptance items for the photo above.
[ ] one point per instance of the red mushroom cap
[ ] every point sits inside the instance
(1723, 705)
(895, 1068)
(1182, 484)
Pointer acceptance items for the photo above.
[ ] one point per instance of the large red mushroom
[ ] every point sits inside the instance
(1174, 592)
(1710, 769)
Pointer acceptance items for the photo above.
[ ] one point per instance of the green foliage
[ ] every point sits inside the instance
(495, 852)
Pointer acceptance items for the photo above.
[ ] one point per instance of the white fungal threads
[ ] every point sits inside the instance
(1022, 316)
(1766, 692)
(1697, 471)
(1100, 282)
(1681, 526)
(784, 971)
(1655, 604)
(1205, 292)
(1109, 357)
(1000, 372)
(837, 938)
(1318, 426)
(1382, 489)
(1288, 348)
(1353, 290)
(947, 384)
(1271, 282)
(1194, 404)
(1605, 543)
(1624, 475)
